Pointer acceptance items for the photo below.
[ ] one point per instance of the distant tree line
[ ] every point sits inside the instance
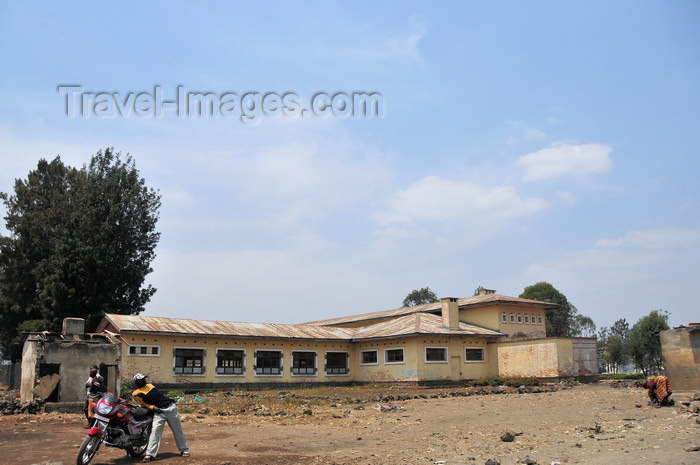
(640, 345)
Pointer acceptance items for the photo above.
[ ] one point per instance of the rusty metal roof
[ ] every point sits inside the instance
(160, 325)
(435, 308)
(419, 323)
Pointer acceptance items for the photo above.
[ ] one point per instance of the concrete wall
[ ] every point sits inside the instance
(585, 357)
(73, 359)
(29, 370)
(548, 358)
(681, 351)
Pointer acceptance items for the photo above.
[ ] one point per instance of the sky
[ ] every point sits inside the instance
(505, 143)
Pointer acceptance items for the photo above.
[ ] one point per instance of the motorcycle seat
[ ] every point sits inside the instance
(141, 413)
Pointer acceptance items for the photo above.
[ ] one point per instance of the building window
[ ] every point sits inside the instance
(268, 362)
(337, 363)
(512, 317)
(369, 357)
(520, 318)
(303, 363)
(533, 320)
(230, 362)
(539, 319)
(189, 361)
(504, 317)
(436, 354)
(527, 319)
(144, 351)
(393, 355)
(474, 354)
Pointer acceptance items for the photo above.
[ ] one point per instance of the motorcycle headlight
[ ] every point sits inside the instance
(104, 409)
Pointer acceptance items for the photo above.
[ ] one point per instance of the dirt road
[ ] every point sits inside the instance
(592, 424)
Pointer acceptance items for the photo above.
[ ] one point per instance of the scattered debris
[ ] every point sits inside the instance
(388, 408)
(507, 436)
(527, 460)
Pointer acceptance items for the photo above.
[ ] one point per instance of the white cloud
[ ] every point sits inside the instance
(566, 159)
(667, 238)
(629, 276)
(401, 47)
(436, 199)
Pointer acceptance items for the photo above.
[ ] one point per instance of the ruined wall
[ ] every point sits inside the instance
(73, 359)
(29, 371)
(681, 351)
(585, 357)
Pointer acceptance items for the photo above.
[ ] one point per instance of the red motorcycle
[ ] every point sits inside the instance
(117, 424)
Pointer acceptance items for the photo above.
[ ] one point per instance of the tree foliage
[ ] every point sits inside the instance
(613, 345)
(560, 321)
(645, 343)
(81, 243)
(420, 297)
(583, 325)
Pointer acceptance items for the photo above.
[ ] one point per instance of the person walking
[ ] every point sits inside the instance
(164, 410)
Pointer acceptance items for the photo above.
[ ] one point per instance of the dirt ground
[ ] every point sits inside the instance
(599, 423)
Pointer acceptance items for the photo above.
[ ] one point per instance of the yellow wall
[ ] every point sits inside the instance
(414, 367)
(160, 368)
(544, 358)
(519, 327)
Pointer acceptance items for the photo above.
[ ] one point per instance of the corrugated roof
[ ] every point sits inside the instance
(418, 323)
(465, 302)
(161, 325)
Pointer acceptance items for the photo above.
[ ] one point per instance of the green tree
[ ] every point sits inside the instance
(81, 243)
(621, 328)
(583, 325)
(615, 353)
(560, 321)
(645, 343)
(420, 297)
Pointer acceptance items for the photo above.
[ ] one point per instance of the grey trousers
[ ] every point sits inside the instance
(171, 416)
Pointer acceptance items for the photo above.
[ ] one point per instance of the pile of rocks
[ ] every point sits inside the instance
(11, 405)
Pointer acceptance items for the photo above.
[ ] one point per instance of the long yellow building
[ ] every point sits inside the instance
(486, 335)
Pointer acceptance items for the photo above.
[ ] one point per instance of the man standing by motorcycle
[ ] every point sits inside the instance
(94, 388)
(165, 411)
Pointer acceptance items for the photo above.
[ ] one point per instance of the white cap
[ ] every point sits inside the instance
(139, 376)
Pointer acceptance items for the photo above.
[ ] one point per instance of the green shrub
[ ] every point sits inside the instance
(621, 376)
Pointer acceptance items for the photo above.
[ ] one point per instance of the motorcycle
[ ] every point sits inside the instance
(117, 424)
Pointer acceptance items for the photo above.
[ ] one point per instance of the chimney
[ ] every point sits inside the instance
(450, 312)
(73, 328)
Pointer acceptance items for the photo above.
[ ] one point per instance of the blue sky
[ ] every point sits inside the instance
(519, 142)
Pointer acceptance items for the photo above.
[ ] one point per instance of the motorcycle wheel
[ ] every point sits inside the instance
(140, 450)
(88, 449)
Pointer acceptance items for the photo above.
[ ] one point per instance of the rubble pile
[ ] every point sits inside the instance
(11, 405)
(15, 407)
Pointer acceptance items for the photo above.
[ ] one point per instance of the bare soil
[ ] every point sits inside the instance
(600, 423)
